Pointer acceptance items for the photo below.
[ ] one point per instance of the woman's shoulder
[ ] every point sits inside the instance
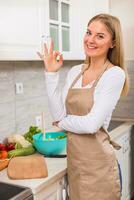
(113, 76)
(75, 70)
(114, 71)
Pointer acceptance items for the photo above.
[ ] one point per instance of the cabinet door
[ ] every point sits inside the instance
(120, 158)
(124, 158)
(21, 29)
(127, 158)
(54, 191)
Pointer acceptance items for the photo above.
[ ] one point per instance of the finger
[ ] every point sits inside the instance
(51, 47)
(61, 59)
(45, 49)
(56, 53)
(40, 55)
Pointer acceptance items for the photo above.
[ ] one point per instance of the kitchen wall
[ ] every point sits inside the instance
(18, 112)
(124, 10)
(125, 108)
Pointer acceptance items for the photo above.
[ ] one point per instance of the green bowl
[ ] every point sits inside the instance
(51, 145)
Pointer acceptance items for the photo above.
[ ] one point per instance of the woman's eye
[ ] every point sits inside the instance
(88, 33)
(100, 36)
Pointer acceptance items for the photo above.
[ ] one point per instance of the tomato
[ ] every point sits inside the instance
(10, 146)
(3, 154)
(2, 147)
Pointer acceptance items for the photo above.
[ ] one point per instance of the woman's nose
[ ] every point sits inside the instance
(91, 39)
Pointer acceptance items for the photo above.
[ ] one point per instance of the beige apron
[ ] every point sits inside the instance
(92, 165)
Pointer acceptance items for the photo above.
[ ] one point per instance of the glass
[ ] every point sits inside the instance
(53, 9)
(54, 33)
(65, 38)
(65, 12)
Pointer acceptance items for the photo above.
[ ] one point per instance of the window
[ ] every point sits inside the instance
(59, 24)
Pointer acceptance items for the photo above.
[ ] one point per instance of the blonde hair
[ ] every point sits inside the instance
(115, 54)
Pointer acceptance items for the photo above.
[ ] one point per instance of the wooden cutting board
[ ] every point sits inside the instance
(27, 167)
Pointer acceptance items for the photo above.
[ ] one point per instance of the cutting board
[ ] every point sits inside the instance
(27, 167)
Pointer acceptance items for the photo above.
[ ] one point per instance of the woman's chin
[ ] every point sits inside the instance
(91, 54)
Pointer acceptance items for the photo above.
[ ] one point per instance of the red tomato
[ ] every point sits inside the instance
(3, 154)
(2, 147)
(10, 146)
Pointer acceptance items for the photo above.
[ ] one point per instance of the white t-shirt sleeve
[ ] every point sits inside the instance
(109, 94)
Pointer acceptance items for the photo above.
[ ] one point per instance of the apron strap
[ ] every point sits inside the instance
(84, 69)
(106, 66)
(79, 75)
(113, 143)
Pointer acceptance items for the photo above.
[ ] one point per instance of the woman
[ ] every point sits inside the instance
(85, 106)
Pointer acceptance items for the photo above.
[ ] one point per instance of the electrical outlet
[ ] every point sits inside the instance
(19, 88)
(38, 121)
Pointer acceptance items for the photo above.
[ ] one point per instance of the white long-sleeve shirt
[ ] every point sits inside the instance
(106, 95)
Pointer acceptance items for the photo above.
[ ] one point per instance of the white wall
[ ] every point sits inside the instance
(124, 9)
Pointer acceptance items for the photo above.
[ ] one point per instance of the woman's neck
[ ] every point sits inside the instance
(97, 64)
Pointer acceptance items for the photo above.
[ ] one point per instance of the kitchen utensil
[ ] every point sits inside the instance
(43, 126)
(52, 145)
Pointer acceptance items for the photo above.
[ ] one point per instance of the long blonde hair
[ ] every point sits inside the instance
(115, 54)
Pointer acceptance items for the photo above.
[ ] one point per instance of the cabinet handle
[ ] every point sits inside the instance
(64, 194)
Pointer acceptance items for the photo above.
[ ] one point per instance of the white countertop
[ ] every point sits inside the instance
(115, 133)
(56, 170)
(56, 167)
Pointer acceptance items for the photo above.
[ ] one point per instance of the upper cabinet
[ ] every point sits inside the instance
(21, 29)
(25, 24)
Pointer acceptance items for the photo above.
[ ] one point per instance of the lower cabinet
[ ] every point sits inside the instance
(54, 191)
(124, 159)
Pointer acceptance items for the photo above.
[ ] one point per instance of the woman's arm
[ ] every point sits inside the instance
(54, 93)
(103, 107)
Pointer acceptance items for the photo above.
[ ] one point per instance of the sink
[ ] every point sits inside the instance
(14, 192)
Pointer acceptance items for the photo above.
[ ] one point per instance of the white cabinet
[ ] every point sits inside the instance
(54, 191)
(124, 159)
(23, 23)
(21, 29)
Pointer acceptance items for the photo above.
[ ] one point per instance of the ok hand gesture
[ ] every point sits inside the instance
(53, 60)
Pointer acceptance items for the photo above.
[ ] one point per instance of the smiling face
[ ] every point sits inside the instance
(97, 40)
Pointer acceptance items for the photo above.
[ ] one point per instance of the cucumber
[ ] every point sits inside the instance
(21, 152)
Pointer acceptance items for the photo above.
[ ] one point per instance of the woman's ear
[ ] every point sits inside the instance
(113, 44)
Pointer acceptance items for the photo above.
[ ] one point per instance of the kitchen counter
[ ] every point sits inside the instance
(56, 167)
(116, 132)
(56, 170)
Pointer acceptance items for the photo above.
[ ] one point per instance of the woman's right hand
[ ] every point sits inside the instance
(53, 60)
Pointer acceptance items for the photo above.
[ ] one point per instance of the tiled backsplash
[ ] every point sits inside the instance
(18, 112)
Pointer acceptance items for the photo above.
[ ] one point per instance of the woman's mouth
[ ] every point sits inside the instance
(91, 47)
